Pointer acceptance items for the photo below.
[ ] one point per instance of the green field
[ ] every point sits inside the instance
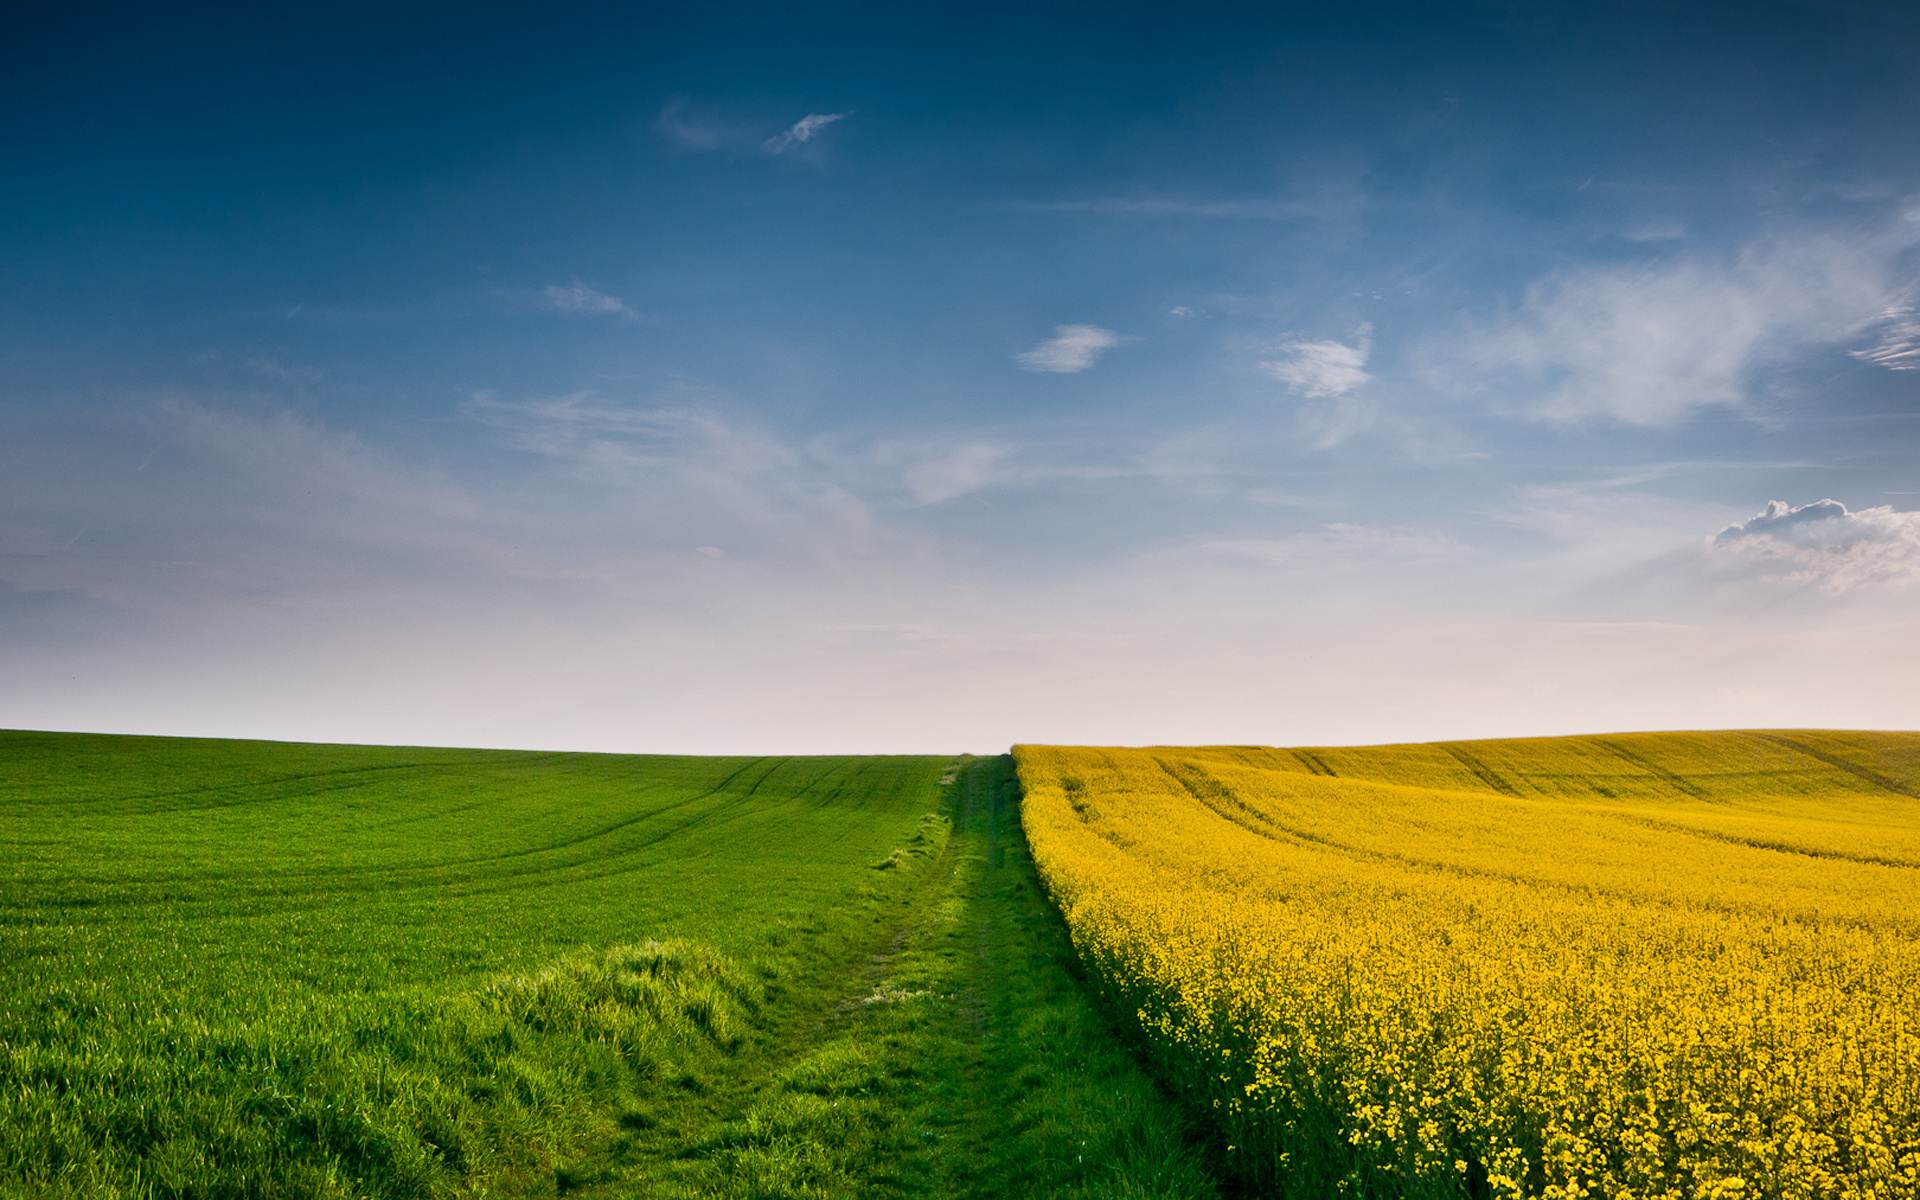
(263, 969)
(249, 969)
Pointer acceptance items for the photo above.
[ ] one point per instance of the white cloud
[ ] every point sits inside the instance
(1825, 545)
(941, 469)
(1322, 369)
(708, 126)
(1331, 375)
(678, 470)
(1898, 347)
(311, 585)
(1651, 343)
(801, 132)
(965, 468)
(1072, 349)
(579, 300)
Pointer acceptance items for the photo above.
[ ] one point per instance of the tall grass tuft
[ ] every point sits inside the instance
(386, 1096)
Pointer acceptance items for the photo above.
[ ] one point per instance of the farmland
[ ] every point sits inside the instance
(233, 969)
(1651, 965)
(1656, 965)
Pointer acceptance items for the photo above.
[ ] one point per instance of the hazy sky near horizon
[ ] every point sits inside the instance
(869, 378)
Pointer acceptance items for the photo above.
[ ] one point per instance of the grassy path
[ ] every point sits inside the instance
(955, 1054)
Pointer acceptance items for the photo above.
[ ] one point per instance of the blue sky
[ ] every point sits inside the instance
(893, 378)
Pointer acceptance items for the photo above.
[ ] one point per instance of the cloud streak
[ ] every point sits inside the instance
(702, 126)
(1071, 350)
(965, 468)
(579, 300)
(801, 132)
(1163, 206)
(1651, 344)
(682, 123)
(679, 472)
(1898, 347)
(1318, 370)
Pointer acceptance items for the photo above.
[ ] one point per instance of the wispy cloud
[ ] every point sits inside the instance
(965, 468)
(1168, 206)
(709, 126)
(1072, 349)
(1825, 545)
(1338, 542)
(695, 128)
(1898, 345)
(688, 474)
(801, 132)
(1652, 343)
(579, 300)
(1322, 369)
(1655, 231)
(1330, 376)
(1053, 456)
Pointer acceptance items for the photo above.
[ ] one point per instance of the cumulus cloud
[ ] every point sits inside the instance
(1319, 370)
(579, 300)
(1824, 544)
(1651, 343)
(801, 132)
(1072, 349)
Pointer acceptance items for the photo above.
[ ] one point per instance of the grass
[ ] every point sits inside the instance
(963, 1059)
(245, 969)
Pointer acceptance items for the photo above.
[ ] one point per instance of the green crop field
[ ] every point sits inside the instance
(258, 969)
(1669, 965)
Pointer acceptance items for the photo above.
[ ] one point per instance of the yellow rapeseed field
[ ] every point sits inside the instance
(1634, 966)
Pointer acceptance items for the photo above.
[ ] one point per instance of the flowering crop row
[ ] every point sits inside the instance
(1656, 965)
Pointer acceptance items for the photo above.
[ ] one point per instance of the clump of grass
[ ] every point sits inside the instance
(932, 834)
(382, 1096)
(634, 996)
